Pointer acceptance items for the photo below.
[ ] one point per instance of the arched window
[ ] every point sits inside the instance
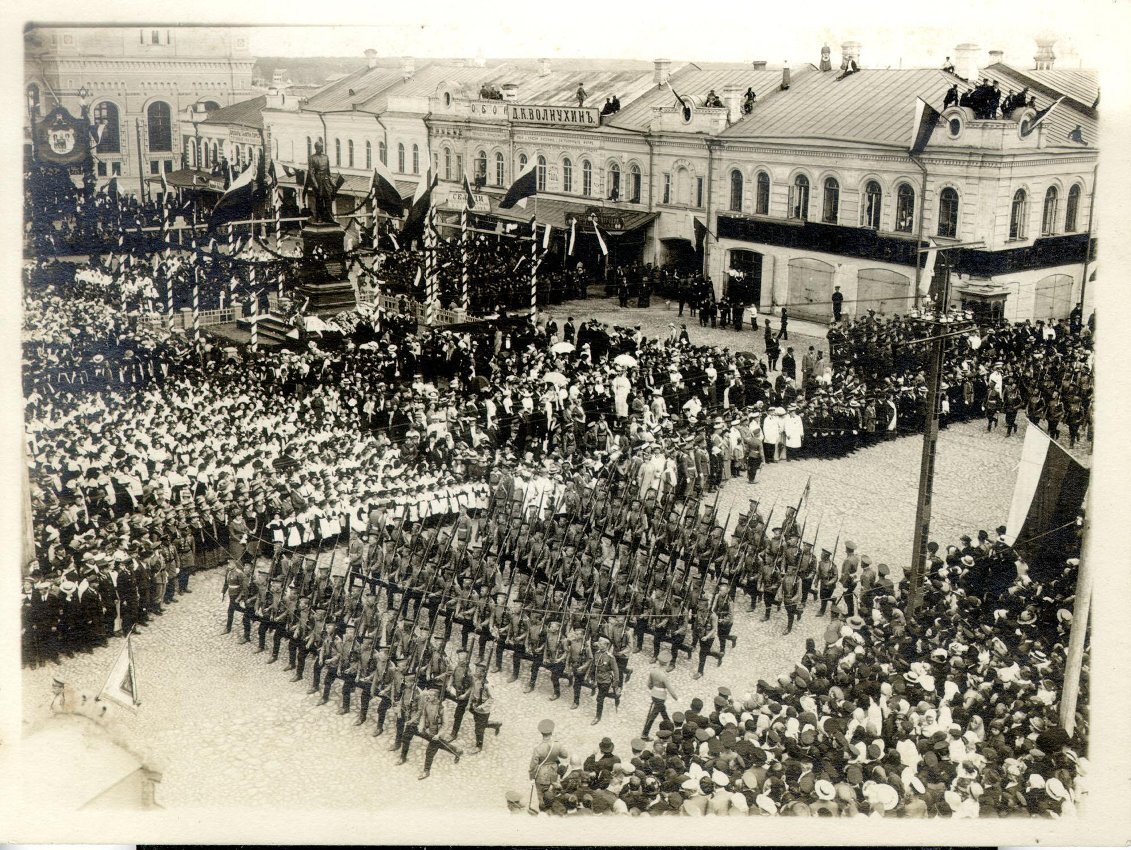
(337, 151)
(349, 152)
(762, 200)
(540, 177)
(106, 115)
(400, 157)
(1018, 213)
(586, 178)
(368, 154)
(1048, 214)
(210, 105)
(309, 147)
(682, 187)
(567, 175)
(215, 153)
(500, 169)
(160, 126)
(948, 213)
(447, 163)
(522, 160)
(614, 182)
(415, 159)
(830, 204)
(634, 183)
(799, 198)
(481, 167)
(873, 200)
(736, 190)
(382, 154)
(1072, 209)
(904, 208)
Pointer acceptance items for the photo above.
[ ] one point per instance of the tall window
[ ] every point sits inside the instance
(904, 208)
(1018, 213)
(667, 188)
(382, 152)
(736, 190)
(349, 152)
(400, 157)
(699, 191)
(106, 114)
(500, 169)
(948, 213)
(614, 182)
(635, 183)
(830, 206)
(337, 151)
(447, 163)
(1048, 214)
(416, 159)
(522, 160)
(215, 153)
(540, 177)
(309, 147)
(481, 167)
(873, 200)
(1072, 209)
(799, 198)
(762, 201)
(155, 38)
(586, 178)
(160, 126)
(567, 175)
(368, 154)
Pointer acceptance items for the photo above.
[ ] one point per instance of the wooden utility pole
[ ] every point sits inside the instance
(1080, 610)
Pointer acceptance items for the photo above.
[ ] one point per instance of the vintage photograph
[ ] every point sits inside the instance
(666, 427)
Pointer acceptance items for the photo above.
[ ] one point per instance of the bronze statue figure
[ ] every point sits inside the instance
(319, 185)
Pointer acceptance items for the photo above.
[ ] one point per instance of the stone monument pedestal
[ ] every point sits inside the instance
(324, 280)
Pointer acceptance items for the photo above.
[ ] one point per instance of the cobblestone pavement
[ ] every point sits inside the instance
(227, 729)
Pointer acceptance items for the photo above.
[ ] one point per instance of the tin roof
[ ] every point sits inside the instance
(354, 89)
(1081, 85)
(559, 88)
(693, 83)
(246, 113)
(870, 106)
(427, 80)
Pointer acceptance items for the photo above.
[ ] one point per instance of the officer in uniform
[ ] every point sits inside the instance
(826, 580)
(426, 722)
(606, 676)
(480, 704)
(459, 689)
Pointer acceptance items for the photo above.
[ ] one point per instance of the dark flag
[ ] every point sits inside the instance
(1028, 127)
(384, 189)
(524, 186)
(237, 203)
(418, 213)
(470, 193)
(700, 234)
(926, 118)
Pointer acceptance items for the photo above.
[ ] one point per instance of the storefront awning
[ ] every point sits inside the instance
(191, 178)
(558, 214)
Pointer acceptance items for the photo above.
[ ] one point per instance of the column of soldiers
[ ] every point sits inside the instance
(572, 584)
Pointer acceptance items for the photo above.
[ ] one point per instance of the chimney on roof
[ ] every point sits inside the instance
(785, 77)
(371, 57)
(966, 61)
(759, 64)
(1044, 57)
(408, 67)
(662, 72)
(732, 97)
(543, 67)
(997, 56)
(850, 51)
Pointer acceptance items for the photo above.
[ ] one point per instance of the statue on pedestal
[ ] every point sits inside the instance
(320, 187)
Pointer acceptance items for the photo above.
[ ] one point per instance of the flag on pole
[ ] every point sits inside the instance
(164, 188)
(1028, 127)
(383, 188)
(546, 237)
(237, 202)
(927, 285)
(421, 205)
(684, 104)
(572, 235)
(525, 186)
(470, 193)
(926, 119)
(121, 684)
(600, 238)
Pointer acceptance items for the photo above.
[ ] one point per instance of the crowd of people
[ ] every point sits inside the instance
(953, 712)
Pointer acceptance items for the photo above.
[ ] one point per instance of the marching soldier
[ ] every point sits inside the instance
(480, 704)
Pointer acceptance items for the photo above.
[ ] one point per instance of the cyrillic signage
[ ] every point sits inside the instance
(564, 116)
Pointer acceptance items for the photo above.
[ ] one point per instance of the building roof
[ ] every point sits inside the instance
(1082, 86)
(425, 81)
(354, 89)
(693, 83)
(1065, 118)
(870, 107)
(246, 113)
(559, 87)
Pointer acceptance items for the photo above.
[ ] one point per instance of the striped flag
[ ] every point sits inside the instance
(600, 238)
(470, 193)
(926, 119)
(121, 684)
(572, 235)
(546, 237)
(1028, 127)
(525, 186)
(383, 188)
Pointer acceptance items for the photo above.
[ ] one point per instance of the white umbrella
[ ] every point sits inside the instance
(555, 378)
(316, 325)
(625, 360)
(563, 348)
